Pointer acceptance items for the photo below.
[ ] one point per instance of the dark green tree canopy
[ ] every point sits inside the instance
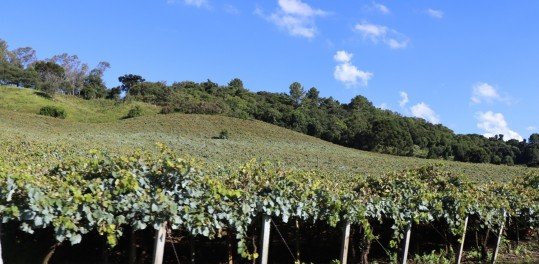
(129, 80)
(236, 83)
(46, 69)
(313, 94)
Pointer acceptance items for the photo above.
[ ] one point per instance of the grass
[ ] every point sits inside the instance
(98, 124)
(88, 111)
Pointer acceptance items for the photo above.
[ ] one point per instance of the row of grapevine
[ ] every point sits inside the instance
(107, 192)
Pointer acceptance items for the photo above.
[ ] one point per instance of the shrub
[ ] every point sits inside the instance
(223, 134)
(53, 111)
(134, 112)
(167, 110)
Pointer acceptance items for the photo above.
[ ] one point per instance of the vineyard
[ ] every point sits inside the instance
(77, 190)
(45, 188)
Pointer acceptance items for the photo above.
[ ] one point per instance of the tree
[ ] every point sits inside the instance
(477, 155)
(361, 103)
(99, 71)
(28, 78)
(4, 52)
(94, 86)
(128, 81)
(23, 57)
(297, 92)
(313, 94)
(51, 76)
(390, 136)
(534, 139)
(75, 72)
(312, 97)
(151, 92)
(531, 155)
(531, 151)
(209, 86)
(114, 93)
(46, 69)
(236, 83)
(9, 74)
(508, 160)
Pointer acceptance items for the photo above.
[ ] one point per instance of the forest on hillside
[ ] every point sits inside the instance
(357, 124)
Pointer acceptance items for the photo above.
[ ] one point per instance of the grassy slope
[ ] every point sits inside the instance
(193, 135)
(94, 111)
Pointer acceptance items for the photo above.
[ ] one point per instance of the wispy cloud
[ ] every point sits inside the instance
(404, 99)
(196, 3)
(494, 124)
(486, 93)
(383, 106)
(381, 8)
(532, 128)
(231, 9)
(347, 73)
(296, 17)
(371, 31)
(422, 110)
(435, 13)
(378, 33)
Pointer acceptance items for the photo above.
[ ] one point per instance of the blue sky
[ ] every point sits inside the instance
(471, 65)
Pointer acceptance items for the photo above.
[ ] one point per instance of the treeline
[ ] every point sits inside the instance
(357, 124)
(62, 73)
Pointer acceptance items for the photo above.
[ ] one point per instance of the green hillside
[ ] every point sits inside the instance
(195, 135)
(78, 109)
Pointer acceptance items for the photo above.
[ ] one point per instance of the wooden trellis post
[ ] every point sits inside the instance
(345, 243)
(407, 243)
(461, 250)
(132, 251)
(500, 234)
(1, 259)
(266, 228)
(192, 250)
(230, 246)
(159, 248)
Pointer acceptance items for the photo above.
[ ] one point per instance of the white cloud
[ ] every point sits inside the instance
(381, 8)
(347, 73)
(484, 92)
(343, 56)
(435, 13)
(379, 33)
(404, 99)
(494, 124)
(532, 128)
(383, 106)
(294, 16)
(422, 110)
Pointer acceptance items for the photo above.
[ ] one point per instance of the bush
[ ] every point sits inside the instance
(53, 111)
(134, 112)
(167, 110)
(223, 134)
